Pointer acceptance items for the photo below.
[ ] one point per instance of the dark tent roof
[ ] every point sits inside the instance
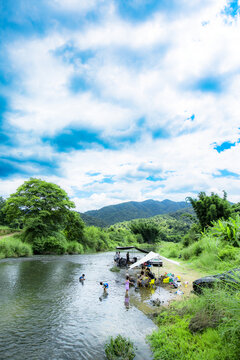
(131, 247)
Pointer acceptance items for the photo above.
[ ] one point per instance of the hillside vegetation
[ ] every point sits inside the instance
(135, 210)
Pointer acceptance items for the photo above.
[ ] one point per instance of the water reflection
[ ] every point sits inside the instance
(46, 313)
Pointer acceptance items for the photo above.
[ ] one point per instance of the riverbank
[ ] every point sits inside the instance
(184, 271)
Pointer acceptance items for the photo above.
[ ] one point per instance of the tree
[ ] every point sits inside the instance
(74, 227)
(2, 215)
(149, 231)
(41, 206)
(210, 208)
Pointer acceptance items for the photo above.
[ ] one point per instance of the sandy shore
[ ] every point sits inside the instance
(183, 270)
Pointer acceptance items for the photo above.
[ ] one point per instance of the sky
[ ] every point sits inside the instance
(119, 100)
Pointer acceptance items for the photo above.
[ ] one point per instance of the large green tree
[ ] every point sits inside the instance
(210, 208)
(74, 227)
(41, 206)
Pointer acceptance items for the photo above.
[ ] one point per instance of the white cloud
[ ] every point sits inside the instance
(173, 54)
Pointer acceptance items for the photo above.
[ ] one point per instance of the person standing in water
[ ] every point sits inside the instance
(105, 286)
(127, 284)
(82, 278)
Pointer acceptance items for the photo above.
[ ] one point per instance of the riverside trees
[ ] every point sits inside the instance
(210, 208)
(43, 209)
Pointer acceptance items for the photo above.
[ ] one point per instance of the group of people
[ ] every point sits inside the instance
(123, 261)
(146, 277)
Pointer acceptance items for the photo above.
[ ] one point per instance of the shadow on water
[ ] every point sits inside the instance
(46, 313)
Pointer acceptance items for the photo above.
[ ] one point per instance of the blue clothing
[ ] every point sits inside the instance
(105, 285)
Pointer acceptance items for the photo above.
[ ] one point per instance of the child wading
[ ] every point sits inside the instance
(82, 278)
(127, 284)
(105, 286)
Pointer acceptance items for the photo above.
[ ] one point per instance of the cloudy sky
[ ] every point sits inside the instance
(118, 100)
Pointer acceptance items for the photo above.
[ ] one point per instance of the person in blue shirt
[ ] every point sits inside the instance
(82, 278)
(105, 286)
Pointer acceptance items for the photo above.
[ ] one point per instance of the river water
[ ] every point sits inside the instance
(46, 313)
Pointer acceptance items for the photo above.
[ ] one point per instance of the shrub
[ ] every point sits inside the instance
(54, 244)
(12, 247)
(73, 247)
(115, 269)
(120, 348)
(227, 253)
(201, 328)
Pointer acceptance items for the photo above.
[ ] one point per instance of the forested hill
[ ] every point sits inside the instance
(112, 214)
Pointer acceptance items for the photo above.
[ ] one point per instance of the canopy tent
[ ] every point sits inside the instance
(131, 247)
(149, 256)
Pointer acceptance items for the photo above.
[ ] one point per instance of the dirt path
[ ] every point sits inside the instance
(7, 235)
(186, 273)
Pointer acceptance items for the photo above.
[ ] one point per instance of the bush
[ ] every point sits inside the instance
(115, 269)
(201, 328)
(73, 247)
(12, 247)
(54, 244)
(120, 348)
(227, 253)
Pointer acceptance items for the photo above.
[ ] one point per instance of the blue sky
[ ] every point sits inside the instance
(120, 100)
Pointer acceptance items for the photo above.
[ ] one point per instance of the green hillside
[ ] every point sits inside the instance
(172, 227)
(134, 210)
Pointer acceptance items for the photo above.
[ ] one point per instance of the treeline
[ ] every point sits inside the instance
(43, 214)
(213, 240)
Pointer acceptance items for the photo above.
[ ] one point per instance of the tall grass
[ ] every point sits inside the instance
(5, 230)
(13, 247)
(203, 328)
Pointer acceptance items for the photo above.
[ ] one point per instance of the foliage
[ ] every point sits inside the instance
(172, 227)
(149, 231)
(96, 239)
(202, 328)
(115, 269)
(73, 247)
(13, 247)
(134, 210)
(192, 235)
(53, 244)
(2, 215)
(41, 206)
(210, 208)
(122, 236)
(4, 230)
(169, 249)
(74, 227)
(228, 230)
(120, 348)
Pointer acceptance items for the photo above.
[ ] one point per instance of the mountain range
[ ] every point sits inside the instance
(109, 215)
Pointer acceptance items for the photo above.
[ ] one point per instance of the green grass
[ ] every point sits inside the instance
(114, 269)
(13, 247)
(169, 249)
(120, 348)
(202, 328)
(5, 230)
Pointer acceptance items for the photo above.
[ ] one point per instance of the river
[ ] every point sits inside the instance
(46, 313)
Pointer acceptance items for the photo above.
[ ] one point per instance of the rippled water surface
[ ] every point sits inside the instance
(45, 313)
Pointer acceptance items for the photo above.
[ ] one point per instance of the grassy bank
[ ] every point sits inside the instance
(201, 328)
(210, 255)
(5, 230)
(12, 246)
